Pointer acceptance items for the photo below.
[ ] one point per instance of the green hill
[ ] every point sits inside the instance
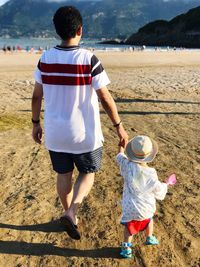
(183, 30)
(106, 18)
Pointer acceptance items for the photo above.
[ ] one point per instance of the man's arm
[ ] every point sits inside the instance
(110, 107)
(36, 109)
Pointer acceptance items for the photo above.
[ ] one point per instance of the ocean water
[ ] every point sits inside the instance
(36, 43)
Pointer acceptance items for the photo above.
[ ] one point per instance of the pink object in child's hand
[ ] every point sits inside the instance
(171, 180)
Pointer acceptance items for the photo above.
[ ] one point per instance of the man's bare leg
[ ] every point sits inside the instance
(64, 189)
(82, 187)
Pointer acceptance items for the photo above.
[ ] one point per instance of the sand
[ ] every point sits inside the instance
(157, 93)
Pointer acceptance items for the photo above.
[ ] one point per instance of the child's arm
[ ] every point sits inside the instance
(160, 190)
(120, 149)
(121, 158)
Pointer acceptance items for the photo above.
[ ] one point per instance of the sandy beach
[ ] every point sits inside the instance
(158, 94)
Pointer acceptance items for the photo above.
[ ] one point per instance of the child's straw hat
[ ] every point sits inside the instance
(141, 149)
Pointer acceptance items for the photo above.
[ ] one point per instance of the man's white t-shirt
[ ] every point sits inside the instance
(69, 77)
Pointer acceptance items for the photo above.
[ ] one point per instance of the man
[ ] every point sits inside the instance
(72, 80)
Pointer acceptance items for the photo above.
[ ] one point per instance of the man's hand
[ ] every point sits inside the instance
(123, 136)
(37, 133)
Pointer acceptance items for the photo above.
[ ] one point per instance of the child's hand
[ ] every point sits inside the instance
(120, 148)
(123, 143)
(171, 180)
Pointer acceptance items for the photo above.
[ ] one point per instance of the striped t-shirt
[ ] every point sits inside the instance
(69, 77)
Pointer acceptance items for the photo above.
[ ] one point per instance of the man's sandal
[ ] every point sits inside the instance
(71, 228)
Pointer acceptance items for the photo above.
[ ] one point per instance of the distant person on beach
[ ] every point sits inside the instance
(4, 49)
(141, 189)
(72, 80)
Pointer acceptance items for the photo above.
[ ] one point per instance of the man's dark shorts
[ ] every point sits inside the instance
(86, 162)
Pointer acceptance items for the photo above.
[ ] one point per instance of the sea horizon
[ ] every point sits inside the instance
(46, 43)
(38, 43)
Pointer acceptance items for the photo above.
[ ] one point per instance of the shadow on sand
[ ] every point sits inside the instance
(138, 100)
(53, 226)
(42, 249)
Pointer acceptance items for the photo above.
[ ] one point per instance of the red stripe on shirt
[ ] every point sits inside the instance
(66, 80)
(65, 68)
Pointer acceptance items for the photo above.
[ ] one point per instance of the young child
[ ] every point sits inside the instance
(141, 189)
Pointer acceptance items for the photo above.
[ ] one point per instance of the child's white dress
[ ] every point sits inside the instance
(141, 189)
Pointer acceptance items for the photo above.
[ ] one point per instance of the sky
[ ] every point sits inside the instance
(4, 1)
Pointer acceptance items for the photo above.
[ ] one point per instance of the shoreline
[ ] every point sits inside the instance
(37, 44)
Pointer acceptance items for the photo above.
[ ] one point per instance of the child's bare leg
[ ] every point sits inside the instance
(150, 239)
(126, 251)
(149, 230)
(127, 237)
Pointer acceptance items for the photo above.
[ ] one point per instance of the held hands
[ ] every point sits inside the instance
(171, 180)
(37, 133)
(123, 136)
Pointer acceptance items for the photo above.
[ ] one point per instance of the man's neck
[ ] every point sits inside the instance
(71, 42)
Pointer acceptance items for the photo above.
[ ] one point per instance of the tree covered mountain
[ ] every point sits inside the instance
(104, 18)
(183, 30)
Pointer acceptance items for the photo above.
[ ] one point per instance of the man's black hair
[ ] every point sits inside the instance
(67, 21)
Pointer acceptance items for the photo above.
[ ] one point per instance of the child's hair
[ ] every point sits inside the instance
(67, 21)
